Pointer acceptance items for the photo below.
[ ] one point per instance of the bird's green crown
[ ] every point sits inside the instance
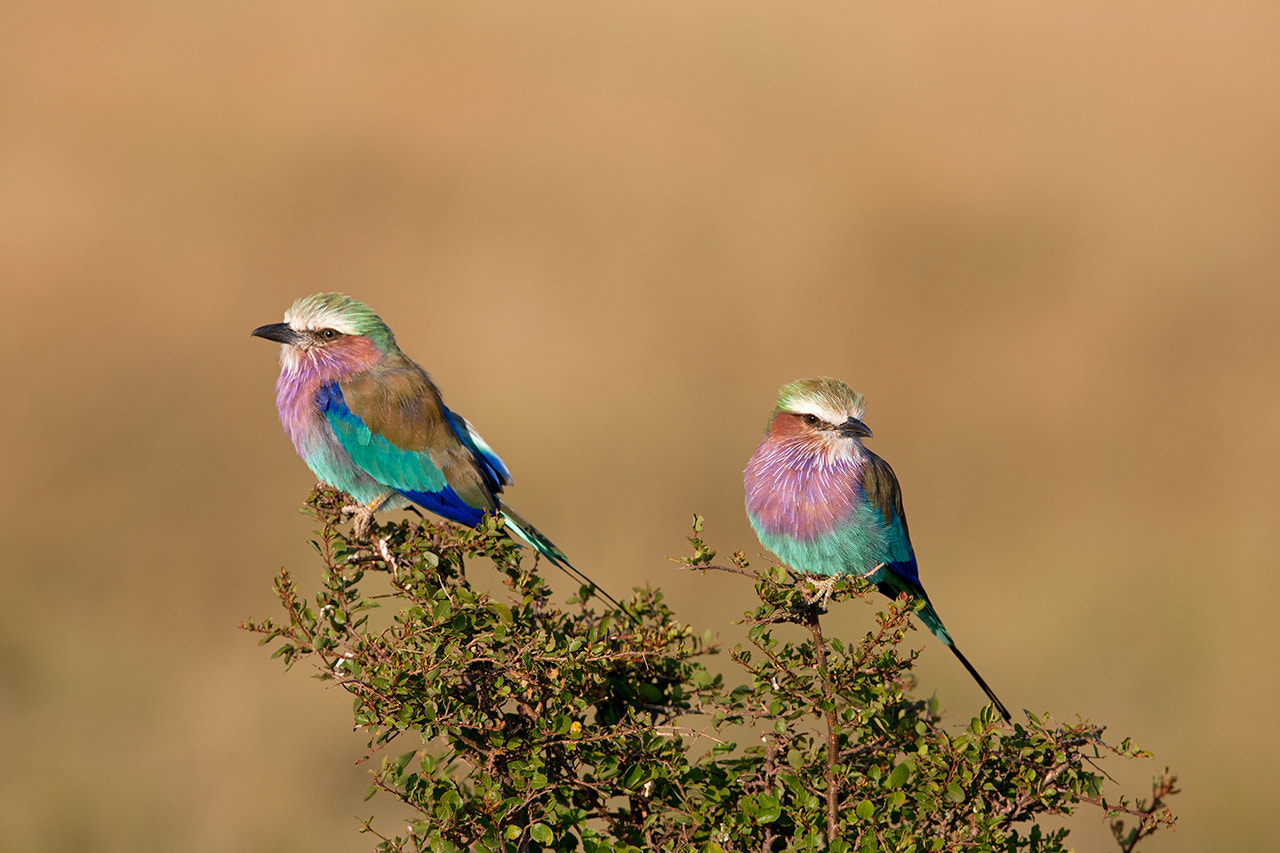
(341, 313)
(827, 398)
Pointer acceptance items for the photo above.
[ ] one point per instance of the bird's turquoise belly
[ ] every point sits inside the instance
(851, 549)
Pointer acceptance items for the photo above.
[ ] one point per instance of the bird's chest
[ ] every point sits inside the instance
(804, 498)
(300, 413)
(817, 521)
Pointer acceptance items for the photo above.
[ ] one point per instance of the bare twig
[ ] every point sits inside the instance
(1151, 816)
(701, 566)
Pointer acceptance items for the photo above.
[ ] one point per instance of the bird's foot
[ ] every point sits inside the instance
(362, 519)
(363, 514)
(822, 591)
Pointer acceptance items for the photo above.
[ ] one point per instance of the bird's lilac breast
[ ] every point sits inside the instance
(299, 414)
(304, 373)
(811, 511)
(794, 492)
(297, 400)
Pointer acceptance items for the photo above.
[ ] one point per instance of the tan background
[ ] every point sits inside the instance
(1043, 243)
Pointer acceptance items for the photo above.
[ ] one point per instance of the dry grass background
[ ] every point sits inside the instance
(1042, 241)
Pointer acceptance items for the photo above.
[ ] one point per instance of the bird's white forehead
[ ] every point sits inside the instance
(827, 410)
(306, 316)
(823, 397)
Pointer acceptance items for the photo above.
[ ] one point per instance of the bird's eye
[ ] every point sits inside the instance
(329, 334)
(811, 420)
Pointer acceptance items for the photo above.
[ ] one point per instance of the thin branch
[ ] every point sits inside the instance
(701, 566)
(833, 793)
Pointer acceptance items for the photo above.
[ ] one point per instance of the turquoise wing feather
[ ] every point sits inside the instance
(412, 473)
(901, 574)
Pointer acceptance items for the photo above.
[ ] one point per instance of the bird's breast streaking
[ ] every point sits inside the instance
(809, 508)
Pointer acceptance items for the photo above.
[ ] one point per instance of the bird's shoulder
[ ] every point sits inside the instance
(880, 486)
(398, 401)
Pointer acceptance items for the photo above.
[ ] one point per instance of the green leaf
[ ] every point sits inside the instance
(900, 774)
(503, 612)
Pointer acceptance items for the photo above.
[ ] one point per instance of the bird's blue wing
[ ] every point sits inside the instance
(880, 485)
(412, 473)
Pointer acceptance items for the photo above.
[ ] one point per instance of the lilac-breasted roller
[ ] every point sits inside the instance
(369, 421)
(828, 506)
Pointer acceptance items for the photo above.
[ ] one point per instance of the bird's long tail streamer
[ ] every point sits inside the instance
(1004, 712)
(548, 549)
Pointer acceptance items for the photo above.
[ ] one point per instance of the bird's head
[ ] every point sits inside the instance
(823, 411)
(329, 329)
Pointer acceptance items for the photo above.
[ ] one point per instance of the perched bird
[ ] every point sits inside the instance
(369, 421)
(828, 506)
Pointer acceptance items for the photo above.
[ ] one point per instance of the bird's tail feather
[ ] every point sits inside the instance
(548, 549)
(893, 584)
(1004, 712)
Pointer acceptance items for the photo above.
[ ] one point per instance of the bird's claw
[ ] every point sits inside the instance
(822, 592)
(362, 519)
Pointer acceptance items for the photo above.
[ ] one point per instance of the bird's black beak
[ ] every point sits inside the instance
(855, 428)
(279, 332)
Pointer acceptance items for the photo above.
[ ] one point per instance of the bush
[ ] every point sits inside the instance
(536, 727)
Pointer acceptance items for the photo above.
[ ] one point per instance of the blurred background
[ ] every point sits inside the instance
(1043, 242)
